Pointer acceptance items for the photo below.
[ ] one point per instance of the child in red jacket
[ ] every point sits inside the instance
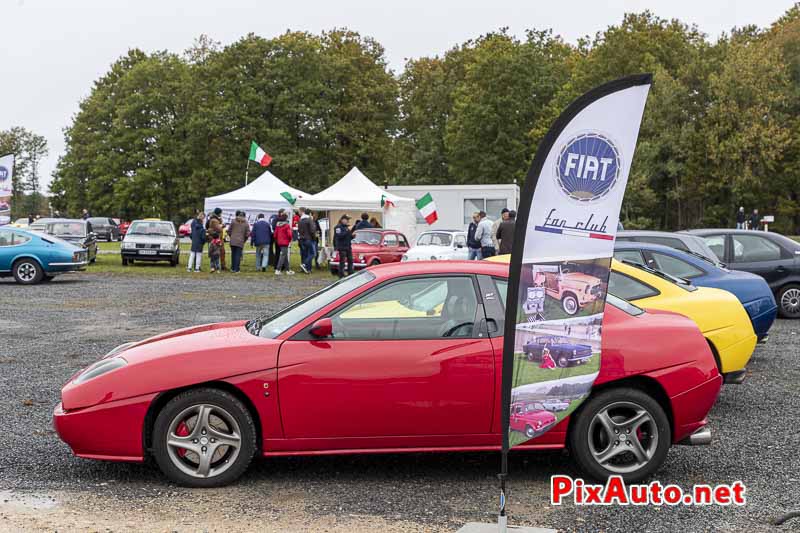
(283, 238)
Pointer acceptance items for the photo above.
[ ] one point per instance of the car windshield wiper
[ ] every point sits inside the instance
(660, 273)
(704, 258)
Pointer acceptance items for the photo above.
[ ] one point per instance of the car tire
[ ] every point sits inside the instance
(374, 262)
(529, 431)
(563, 362)
(224, 410)
(569, 303)
(590, 441)
(789, 301)
(27, 271)
(124, 262)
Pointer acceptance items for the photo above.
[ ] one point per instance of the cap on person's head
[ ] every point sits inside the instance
(482, 214)
(512, 214)
(217, 210)
(504, 210)
(281, 211)
(261, 215)
(344, 216)
(364, 216)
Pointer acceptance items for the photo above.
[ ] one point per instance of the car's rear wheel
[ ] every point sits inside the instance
(789, 301)
(27, 271)
(570, 304)
(563, 362)
(204, 438)
(620, 432)
(529, 431)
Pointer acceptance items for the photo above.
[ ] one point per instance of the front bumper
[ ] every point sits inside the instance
(160, 255)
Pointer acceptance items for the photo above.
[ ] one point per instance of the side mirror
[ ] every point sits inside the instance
(322, 328)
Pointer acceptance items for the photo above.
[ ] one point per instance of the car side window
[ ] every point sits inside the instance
(390, 239)
(754, 249)
(634, 256)
(19, 238)
(414, 308)
(6, 238)
(461, 241)
(627, 288)
(675, 267)
(717, 245)
(403, 241)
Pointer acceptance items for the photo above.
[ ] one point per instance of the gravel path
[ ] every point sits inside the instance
(49, 331)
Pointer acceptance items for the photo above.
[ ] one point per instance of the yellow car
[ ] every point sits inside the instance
(718, 313)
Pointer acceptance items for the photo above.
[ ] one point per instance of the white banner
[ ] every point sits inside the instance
(6, 189)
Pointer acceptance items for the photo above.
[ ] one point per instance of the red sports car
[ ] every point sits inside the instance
(396, 358)
(373, 247)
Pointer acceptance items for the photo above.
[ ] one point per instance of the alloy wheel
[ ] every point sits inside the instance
(203, 440)
(26, 272)
(790, 301)
(623, 437)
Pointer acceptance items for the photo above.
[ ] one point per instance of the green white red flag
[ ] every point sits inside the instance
(289, 197)
(385, 202)
(427, 208)
(258, 155)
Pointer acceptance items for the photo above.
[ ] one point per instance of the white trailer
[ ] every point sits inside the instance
(456, 203)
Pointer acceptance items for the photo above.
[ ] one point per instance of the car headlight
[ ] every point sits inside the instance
(99, 368)
(169, 246)
(128, 245)
(360, 258)
(404, 258)
(118, 349)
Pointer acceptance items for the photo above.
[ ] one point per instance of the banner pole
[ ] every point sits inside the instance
(246, 170)
(502, 519)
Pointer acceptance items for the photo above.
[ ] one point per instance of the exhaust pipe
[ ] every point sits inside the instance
(701, 437)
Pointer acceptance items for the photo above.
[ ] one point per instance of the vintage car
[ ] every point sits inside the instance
(105, 228)
(76, 231)
(574, 289)
(33, 257)
(563, 352)
(770, 255)
(528, 419)
(312, 379)
(373, 247)
(751, 290)
(439, 245)
(151, 240)
(555, 404)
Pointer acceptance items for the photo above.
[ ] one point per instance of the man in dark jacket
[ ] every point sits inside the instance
(473, 244)
(505, 233)
(198, 236)
(238, 231)
(740, 218)
(261, 238)
(216, 229)
(342, 243)
(273, 250)
(305, 230)
(755, 220)
(363, 223)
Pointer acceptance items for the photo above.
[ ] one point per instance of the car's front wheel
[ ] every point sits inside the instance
(204, 438)
(27, 271)
(622, 432)
(570, 304)
(789, 301)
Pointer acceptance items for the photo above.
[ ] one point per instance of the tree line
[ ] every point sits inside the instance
(159, 132)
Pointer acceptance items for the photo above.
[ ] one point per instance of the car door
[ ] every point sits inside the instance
(759, 255)
(389, 248)
(401, 363)
(6, 249)
(460, 243)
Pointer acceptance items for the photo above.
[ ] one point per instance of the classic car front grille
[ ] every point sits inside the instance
(151, 246)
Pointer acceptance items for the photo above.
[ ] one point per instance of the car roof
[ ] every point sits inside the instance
(54, 220)
(391, 270)
(443, 231)
(654, 233)
(649, 246)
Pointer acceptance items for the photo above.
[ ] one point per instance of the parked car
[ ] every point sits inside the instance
(32, 257)
(185, 229)
(78, 232)
(439, 245)
(123, 226)
(717, 313)
(373, 247)
(563, 352)
(528, 419)
(203, 401)
(751, 290)
(770, 255)
(40, 223)
(151, 240)
(555, 404)
(105, 228)
(20, 223)
(686, 242)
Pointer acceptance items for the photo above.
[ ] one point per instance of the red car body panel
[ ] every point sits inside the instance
(339, 396)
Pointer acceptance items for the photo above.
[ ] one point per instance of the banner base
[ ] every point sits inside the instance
(477, 527)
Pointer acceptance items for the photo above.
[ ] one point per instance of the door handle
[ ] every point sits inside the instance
(491, 325)
(781, 268)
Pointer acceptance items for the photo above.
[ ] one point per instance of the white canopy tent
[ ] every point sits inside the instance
(354, 194)
(262, 195)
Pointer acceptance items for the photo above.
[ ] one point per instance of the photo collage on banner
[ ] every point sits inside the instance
(6, 189)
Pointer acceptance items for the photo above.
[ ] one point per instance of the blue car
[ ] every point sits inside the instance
(33, 257)
(564, 352)
(750, 289)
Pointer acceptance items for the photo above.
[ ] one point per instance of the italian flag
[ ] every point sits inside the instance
(258, 155)
(427, 207)
(288, 196)
(385, 202)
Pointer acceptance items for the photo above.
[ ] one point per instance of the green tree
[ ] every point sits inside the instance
(29, 149)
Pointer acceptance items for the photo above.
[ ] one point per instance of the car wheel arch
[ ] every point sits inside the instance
(645, 384)
(163, 398)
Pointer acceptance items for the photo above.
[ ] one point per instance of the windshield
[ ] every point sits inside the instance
(680, 282)
(272, 326)
(367, 237)
(435, 239)
(67, 228)
(143, 227)
(98, 221)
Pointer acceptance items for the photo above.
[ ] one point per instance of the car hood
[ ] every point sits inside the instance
(148, 238)
(545, 417)
(176, 359)
(578, 276)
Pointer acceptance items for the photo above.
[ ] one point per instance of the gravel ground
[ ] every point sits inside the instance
(49, 331)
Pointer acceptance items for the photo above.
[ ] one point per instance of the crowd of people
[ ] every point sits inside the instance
(486, 238)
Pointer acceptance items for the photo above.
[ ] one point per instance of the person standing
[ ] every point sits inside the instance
(317, 234)
(373, 222)
(217, 230)
(198, 236)
(505, 233)
(483, 234)
(305, 230)
(214, 248)
(295, 226)
(239, 231)
(261, 239)
(496, 226)
(283, 238)
(755, 220)
(473, 244)
(85, 214)
(342, 243)
(363, 223)
(740, 218)
(273, 250)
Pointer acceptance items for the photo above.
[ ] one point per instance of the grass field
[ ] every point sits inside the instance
(518, 438)
(529, 372)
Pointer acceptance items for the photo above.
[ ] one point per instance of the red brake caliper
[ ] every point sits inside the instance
(182, 431)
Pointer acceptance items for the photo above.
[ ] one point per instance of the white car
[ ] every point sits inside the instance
(439, 245)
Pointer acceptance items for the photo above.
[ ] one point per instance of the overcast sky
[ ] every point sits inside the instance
(52, 50)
